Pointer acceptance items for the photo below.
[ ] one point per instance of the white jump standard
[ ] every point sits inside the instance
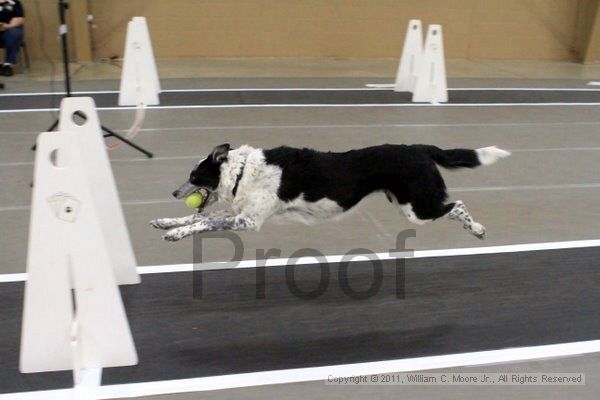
(79, 252)
(410, 61)
(422, 69)
(432, 83)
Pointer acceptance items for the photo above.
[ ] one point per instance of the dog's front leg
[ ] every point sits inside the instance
(210, 224)
(168, 223)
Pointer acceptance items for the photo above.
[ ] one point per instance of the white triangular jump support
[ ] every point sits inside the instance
(431, 85)
(73, 315)
(104, 188)
(139, 79)
(410, 61)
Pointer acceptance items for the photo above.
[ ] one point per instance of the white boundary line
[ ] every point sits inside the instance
(88, 92)
(7, 278)
(278, 377)
(389, 86)
(305, 89)
(366, 105)
(525, 187)
(516, 89)
(342, 126)
(555, 149)
(276, 262)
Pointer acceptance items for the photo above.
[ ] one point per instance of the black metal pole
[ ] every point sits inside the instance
(62, 7)
(123, 139)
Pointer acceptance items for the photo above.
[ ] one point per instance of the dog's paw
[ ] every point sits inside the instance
(177, 234)
(478, 230)
(163, 223)
(172, 236)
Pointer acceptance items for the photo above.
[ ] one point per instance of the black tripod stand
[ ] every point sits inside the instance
(62, 7)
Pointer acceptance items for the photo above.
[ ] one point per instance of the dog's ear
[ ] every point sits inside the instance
(219, 153)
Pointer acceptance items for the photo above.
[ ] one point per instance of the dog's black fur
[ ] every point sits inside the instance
(208, 171)
(408, 172)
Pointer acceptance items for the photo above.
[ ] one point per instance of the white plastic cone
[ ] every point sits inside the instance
(73, 316)
(139, 79)
(410, 61)
(432, 84)
(104, 190)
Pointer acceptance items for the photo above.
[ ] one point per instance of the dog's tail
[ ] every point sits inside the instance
(465, 158)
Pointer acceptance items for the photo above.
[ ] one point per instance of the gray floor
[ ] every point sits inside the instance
(547, 191)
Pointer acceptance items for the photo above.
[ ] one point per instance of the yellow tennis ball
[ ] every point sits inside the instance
(194, 200)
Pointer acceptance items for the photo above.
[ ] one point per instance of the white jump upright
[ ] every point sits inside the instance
(410, 61)
(78, 253)
(432, 83)
(139, 80)
(104, 188)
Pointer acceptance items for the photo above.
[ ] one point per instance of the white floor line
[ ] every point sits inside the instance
(372, 105)
(291, 89)
(454, 190)
(198, 157)
(523, 89)
(6, 278)
(58, 93)
(277, 262)
(555, 149)
(347, 126)
(389, 86)
(277, 377)
(526, 187)
(367, 87)
(333, 126)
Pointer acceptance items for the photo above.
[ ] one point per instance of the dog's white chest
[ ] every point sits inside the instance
(308, 212)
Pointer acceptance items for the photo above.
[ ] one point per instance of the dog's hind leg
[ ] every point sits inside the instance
(407, 208)
(460, 213)
(424, 212)
(408, 211)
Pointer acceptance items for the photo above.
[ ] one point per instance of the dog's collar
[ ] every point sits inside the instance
(238, 178)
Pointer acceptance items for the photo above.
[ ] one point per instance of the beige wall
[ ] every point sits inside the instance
(474, 29)
(44, 31)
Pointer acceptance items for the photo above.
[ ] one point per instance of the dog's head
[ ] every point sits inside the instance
(206, 174)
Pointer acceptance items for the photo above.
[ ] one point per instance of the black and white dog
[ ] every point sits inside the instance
(310, 186)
